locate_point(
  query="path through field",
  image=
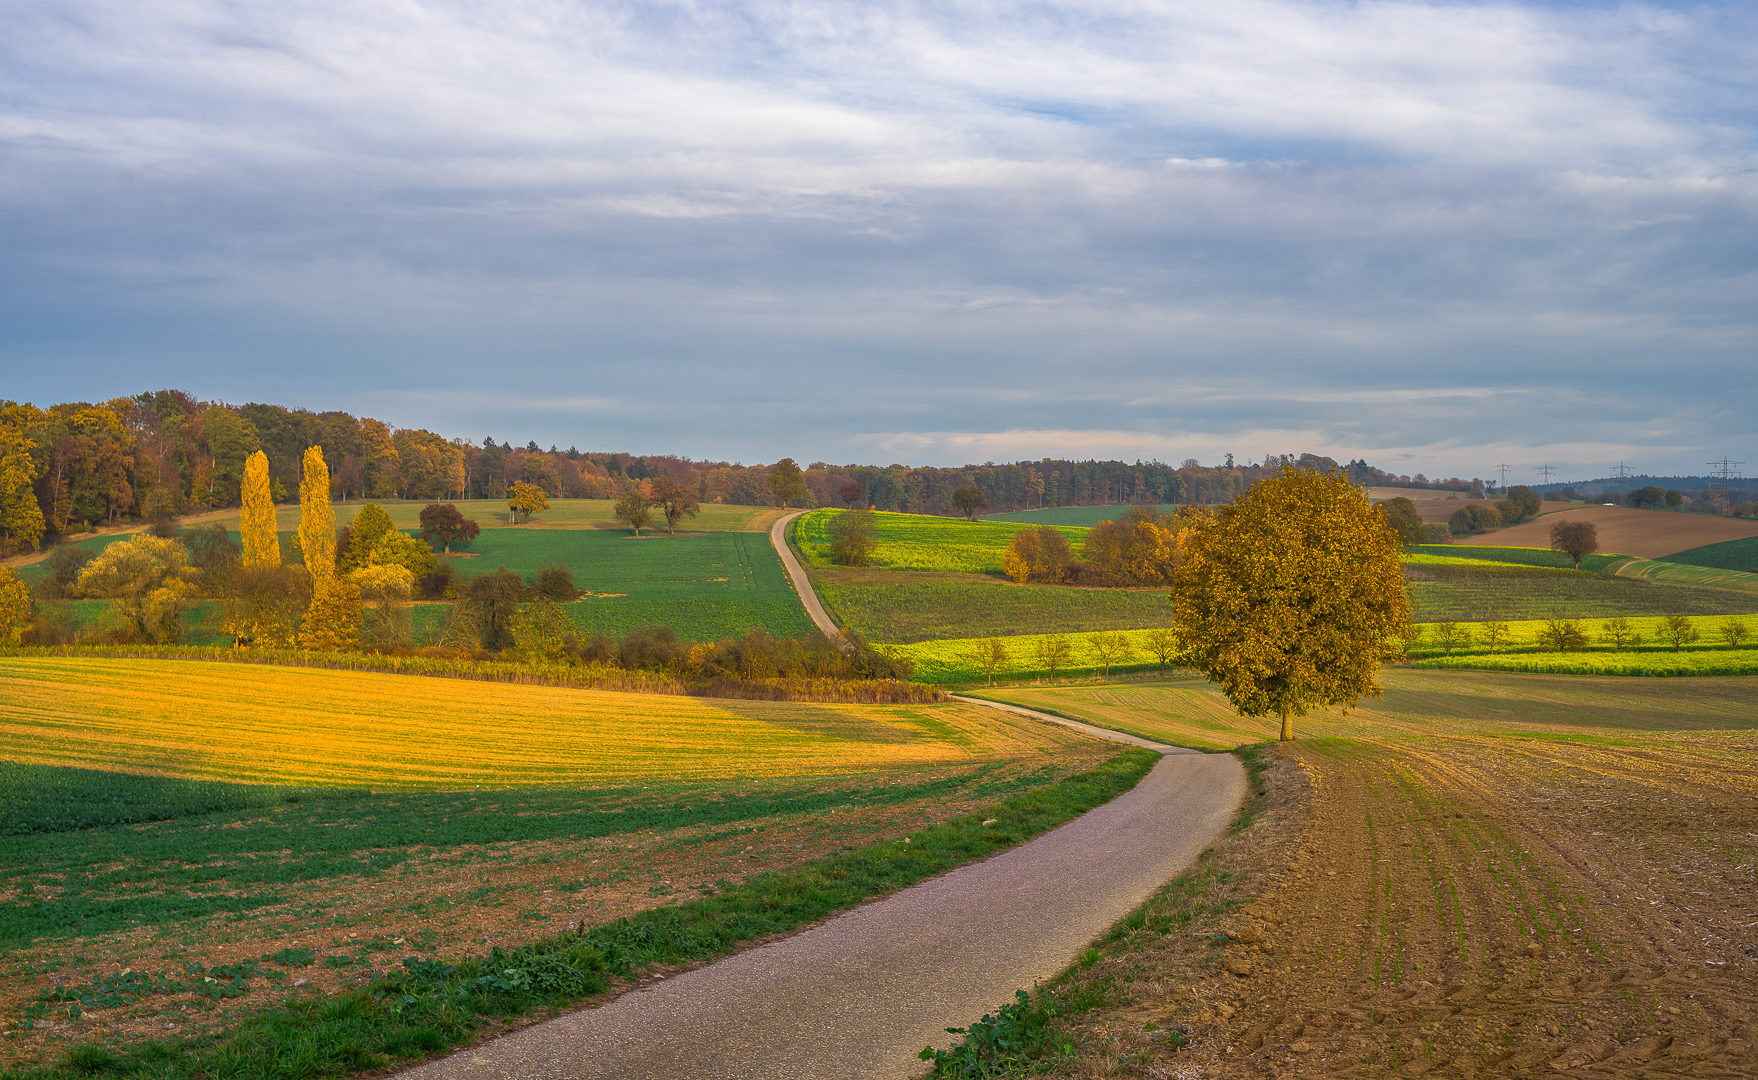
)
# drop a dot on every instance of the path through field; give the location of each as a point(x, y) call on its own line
point(859, 996)
point(797, 574)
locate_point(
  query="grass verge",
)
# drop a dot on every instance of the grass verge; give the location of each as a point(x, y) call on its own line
point(1081, 1022)
point(430, 1005)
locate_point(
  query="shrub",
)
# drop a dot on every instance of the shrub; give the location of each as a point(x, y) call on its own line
point(1038, 554)
point(1474, 518)
point(852, 538)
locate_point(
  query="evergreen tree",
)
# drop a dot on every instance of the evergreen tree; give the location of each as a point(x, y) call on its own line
point(256, 520)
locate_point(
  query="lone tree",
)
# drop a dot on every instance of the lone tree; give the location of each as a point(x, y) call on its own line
point(852, 494)
point(634, 510)
point(990, 654)
point(674, 501)
point(786, 481)
point(1576, 539)
point(853, 538)
point(526, 499)
point(444, 523)
point(968, 500)
point(1291, 596)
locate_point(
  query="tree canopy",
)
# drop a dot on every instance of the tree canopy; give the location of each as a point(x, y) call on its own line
point(446, 524)
point(786, 481)
point(968, 500)
point(635, 510)
point(526, 499)
point(675, 501)
point(1292, 596)
point(1576, 539)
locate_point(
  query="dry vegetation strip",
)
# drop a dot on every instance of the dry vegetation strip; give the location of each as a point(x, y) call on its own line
point(1510, 885)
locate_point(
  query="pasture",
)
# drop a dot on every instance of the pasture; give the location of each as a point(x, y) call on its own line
point(259, 824)
point(1479, 873)
point(1474, 591)
point(1727, 555)
point(919, 542)
point(910, 606)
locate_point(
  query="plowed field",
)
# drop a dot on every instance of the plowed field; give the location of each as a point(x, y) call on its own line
point(1628, 531)
point(1479, 876)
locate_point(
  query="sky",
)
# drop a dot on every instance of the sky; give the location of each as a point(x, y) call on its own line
point(1437, 236)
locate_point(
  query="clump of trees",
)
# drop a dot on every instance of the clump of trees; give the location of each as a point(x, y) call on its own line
point(1040, 553)
point(1141, 549)
point(853, 538)
point(1474, 518)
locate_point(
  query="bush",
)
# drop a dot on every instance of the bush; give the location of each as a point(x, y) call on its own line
point(852, 538)
point(1474, 518)
point(65, 564)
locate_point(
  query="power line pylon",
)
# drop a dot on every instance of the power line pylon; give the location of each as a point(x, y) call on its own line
point(1503, 470)
point(1726, 469)
point(1547, 471)
point(1622, 470)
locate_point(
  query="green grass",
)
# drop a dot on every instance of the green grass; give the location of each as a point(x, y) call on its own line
point(904, 606)
point(706, 586)
point(432, 1005)
point(918, 542)
point(1696, 662)
point(1472, 591)
point(55, 799)
point(1084, 517)
point(1728, 555)
point(1524, 556)
point(1687, 575)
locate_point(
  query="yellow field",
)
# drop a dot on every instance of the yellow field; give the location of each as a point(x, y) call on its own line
point(1189, 711)
point(302, 726)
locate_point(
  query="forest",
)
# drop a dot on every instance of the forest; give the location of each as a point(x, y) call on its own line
point(155, 456)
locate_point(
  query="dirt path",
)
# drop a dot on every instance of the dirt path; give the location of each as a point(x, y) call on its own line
point(860, 995)
point(797, 574)
point(1502, 906)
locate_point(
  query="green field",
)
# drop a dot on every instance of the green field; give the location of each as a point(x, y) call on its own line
point(906, 606)
point(1083, 517)
point(950, 661)
point(1729, 555)
point(918, 542)
point(1524, 556)
point(1473, 591)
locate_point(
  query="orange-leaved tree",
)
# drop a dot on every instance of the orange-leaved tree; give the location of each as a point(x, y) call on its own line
point(317, 521)
point(256, 518)
point(1292, 596)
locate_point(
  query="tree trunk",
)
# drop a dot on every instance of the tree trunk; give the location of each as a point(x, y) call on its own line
point(1287, 728)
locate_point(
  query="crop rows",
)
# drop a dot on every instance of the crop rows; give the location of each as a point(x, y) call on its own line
point(953, 661)
point(1462, 591)
point(926, 610)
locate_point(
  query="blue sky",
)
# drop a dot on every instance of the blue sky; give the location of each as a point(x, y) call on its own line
point(1437, 236)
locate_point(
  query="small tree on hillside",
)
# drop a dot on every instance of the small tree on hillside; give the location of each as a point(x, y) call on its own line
point(1562, 635)
point(1493, 633)
point(1040, 553)
point(1520, 504)
point(635, 511)
point(444, 523)
point(1292, 596)
point(853, 538)
point(1162, 643)
point(526, 499)
point(968, 500)
point(1111, 648)
point(1618, 633)
point(1733, 632)
point(990, 655)
point(786, 481)
point(1677, 631)
point(1051, 652)
point(148, 581)
point(1576, 539)
point(675, 502)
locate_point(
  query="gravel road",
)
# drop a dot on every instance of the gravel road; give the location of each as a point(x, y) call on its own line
point(797, 574)
point(858, 996)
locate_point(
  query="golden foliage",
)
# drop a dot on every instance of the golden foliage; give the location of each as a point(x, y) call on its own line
point(317, 520)
point(1141, 548)
point(1292, 596)
point(256, 518)
point(263, 606)
point(15, 607)
point(148, 581)
point(527, 499)
point(332, 622)
point(1037, 554)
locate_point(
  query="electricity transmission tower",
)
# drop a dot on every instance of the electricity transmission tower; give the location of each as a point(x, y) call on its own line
point(1503, 470)
point(1622, 470)
point(1726, 469)
point(1546, 471)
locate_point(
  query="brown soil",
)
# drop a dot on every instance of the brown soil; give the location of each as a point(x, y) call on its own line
point(1466, 906)
point(1628, 531)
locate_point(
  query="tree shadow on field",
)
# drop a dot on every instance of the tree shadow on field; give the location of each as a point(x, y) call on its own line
point(819, 720)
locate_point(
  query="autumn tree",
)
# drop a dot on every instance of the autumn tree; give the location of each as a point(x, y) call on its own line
point(1520, 504)
point(674, 500)
point(1474, 518)
point(1401, 515)
point(493, 601)
point(968, 500)
point(1039, 553)
point(1678, 631)
point(1112, 647)
point(21, 516)
point(541, 631)
point(256, 518)
point(634, 510)
point(1562, 635)
point(526, 499)
point(15, 608)
point(1162, 643)
point(1052, 651)
point(445, 524)
point(1733, 632)
point(1493, 633)
point(332, 622)
point(990, 654)
point(556, 581)
point(1576, 539)
point(853, 538)
point(786, 481)
point(852, 494)
point(1292, 596)
point(385, 610)
point(1141, 548)
point(263, 605)
point(317, 519)
point(148, 581)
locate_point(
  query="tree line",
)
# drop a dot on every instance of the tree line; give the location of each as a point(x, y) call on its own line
point(159, 455)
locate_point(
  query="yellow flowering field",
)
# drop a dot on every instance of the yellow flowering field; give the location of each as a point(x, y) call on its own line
point(363, 729)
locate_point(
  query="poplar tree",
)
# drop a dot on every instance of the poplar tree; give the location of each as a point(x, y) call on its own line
point(256, 520)
point(317, 521)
